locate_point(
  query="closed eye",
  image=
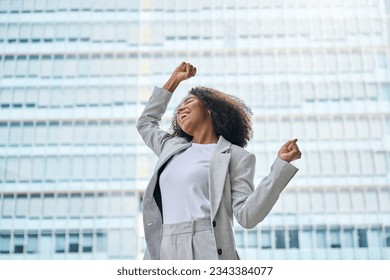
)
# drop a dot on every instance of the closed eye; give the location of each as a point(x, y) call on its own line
point(188, 101)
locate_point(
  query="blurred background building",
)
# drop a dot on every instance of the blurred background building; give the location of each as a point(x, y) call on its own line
point(75, 75)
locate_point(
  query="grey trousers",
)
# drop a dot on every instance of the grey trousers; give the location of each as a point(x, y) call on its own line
point(192, 240)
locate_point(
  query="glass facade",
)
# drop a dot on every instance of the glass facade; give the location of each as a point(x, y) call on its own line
point(75, 75)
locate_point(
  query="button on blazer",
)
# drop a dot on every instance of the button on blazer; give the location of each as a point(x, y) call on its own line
point(231, 188)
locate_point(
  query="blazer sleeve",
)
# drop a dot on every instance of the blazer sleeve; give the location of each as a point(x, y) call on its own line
point(250, 205)
point(148, 124)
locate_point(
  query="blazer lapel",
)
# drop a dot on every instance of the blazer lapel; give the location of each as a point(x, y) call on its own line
point(164, 157)
point(219, 165)
point(169, 152)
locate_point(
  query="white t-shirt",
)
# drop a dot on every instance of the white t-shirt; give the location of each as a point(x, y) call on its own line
point(184, 185)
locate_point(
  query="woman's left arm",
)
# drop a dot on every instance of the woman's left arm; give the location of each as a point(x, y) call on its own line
point(250, 205)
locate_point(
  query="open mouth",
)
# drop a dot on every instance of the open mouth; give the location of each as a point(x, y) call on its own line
point(183, 116)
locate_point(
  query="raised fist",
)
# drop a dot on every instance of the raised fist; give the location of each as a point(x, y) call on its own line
point(183, 72)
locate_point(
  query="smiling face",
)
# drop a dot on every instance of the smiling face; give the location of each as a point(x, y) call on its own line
point(192, 116)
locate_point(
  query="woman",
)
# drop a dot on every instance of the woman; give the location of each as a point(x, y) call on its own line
point(204, 176)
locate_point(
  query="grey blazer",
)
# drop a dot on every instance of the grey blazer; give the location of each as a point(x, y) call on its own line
point(232, 191)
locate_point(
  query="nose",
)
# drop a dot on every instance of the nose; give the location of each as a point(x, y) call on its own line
point(180, 109)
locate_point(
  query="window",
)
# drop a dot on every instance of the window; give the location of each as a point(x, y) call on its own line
point(60, 243)
point(13, 31)
point(315, 166)
point(102, 205)
point(331, 201)
point(49, 205)
point(130, 166)
point(372, 200)
point(35, 206)
point(128, 242)
point(103, 167)
point(115, 242)
point(368, 160)
point(348, 240)
point(290, 201)
point(8, 66)
point(384, 199)
point(53, 132)
point(75, 205)
point(87, 242)
point(362, 238)
point(15, 133)
point(306, 240)
point(62, 205)
point(334, 91)
point(311, 129)
point(89, 205)
point(5, 242)
point(105, 135)
point(351, 128)
point(52, 168)
point(73, 243)
point(32, 243)
point(3, 27)
point(130, 201)
point(45, 244)
point(49, 29)
point(327, 163)
point(345, 203)
point(266, 239)
point(33, 67)
point(2, 170)
point(77, 168)
point(252, 239)
point(344, 61)
point(21, 66)
point(335, 238)
point(364, 128)
point(101, 242)
point(293, 238)
point(354, 163)
point(3, 132)
point(304, 201)
point(40, 133)
point(65, 168)
point(380, 163)
point(46, 66)
point(58, 66)
point(18, 243)
point(337, 128)
point(115, 204)
point(117, 167)
point(28, 133)
point(317, 198)
point(358, 200)
point(332, 60)
point(8, 206)
point(21, 205)
point(91, 167)
point(376, 128)
point(340, 160)
point(387, 237)
point(280, 241)
point(321, 238)
point(239, 234)
point(374, 237)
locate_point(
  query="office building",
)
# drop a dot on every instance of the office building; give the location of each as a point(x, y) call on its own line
point(75, 75)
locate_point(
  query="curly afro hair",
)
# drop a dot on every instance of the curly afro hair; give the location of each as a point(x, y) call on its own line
point(231, 117)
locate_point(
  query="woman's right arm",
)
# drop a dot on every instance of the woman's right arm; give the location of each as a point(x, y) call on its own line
point(148, 124)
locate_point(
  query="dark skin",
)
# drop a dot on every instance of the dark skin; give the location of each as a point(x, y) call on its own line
point(194, 119)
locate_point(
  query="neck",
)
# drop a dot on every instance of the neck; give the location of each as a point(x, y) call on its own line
point(205, 138)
